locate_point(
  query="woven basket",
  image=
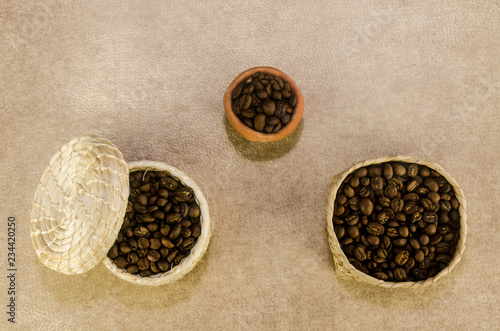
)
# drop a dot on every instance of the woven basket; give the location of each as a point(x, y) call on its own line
point(197, 252)
point(344, 269)
point(80, 204)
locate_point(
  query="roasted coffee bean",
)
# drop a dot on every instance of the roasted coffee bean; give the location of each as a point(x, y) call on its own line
point(176, 231)
point(183, 194)
point(402, 257)
point(353, 231)
point(430, 229)
point(380, 275)
point(377, 183)
point(375, 228)
point(399, 242)
point(366, 206)
point(142, 243)
point(167, 243)
point(133, 269)
point(424, 239)
point(400, 274)
point(121, 262)
point(143, 263)
point(373, 240)
point(359, 253)
point(388, 171)
point(391, 191)
point(125, 248)
point(132, 257)
point(403, 231)
point(153, 256)
point(412, 170)
point(397, 204)
point(163, 265)
point(113, 252)
point(188, 243)
point(141, 231)
point(152, 227)
point(349, 191)
point(399, 169)
point(154, 243)
point(384, 202)
point(411, 186)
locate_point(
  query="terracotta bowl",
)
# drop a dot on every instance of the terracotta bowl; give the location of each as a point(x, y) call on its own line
point(249, 133)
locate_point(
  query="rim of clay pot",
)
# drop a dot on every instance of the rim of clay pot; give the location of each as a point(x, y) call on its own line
point(251, 134)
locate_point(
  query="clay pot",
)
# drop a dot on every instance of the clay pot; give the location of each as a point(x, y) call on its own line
point(249, 133)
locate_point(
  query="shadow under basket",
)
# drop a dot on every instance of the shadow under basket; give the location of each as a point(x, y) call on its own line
point(345, 269)
point(80, 204)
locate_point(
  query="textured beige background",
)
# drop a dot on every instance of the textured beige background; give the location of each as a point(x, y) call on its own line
point(378, 78)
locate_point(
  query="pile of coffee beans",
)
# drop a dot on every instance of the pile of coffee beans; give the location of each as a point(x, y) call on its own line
point(161, 225)
point(397, 221)
point(264, 102)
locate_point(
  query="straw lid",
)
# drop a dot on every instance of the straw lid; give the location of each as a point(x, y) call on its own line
point(79, 205)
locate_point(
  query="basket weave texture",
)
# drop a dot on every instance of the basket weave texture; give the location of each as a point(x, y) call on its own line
point(199, 249)
point(343, 267)
point(79, 205)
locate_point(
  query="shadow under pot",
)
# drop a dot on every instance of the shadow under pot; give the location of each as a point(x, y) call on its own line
point(84, 209)
point(396, 221)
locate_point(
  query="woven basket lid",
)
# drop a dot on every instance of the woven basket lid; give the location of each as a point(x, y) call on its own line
point(79, 205)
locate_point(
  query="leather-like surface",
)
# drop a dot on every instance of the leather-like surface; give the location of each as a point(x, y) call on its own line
point(378, 78)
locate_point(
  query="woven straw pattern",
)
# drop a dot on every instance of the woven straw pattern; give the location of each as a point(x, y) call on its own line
point(79, 205)
point(344, 269)
point(197, 251)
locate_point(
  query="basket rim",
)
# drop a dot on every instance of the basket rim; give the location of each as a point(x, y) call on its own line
point(344, 268)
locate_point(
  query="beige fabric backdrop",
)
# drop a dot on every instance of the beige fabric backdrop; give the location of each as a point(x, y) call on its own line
point(378, 78)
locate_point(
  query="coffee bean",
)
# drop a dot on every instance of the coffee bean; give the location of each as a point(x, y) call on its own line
point(412, 170)
point(366, 206)
point(113, 252)
point(377, 183)
point(388, 171)
point(260, 122)
point(375, 228)
point(121, 262)
point(188, 243)
point(399, 242)
point(411, 186)
point(142, 243)
point(176, 231)
point(361, 172)
point(391, 191)
point(125, 249)
point(424, 239)
point(399, 169)
point(431, 184)
point(373, 240)
point(352, 231)
point(132, 257)
point(402, 257)
point(153, 256)
point(141, 231)
point(430, 229)
point(359, 253)
point(154, 243)
point(399, 274)
point(143, 263)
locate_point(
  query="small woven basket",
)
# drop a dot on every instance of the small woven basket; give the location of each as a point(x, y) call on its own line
point(197, 252)
point(343, 267)
point(80, 204)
